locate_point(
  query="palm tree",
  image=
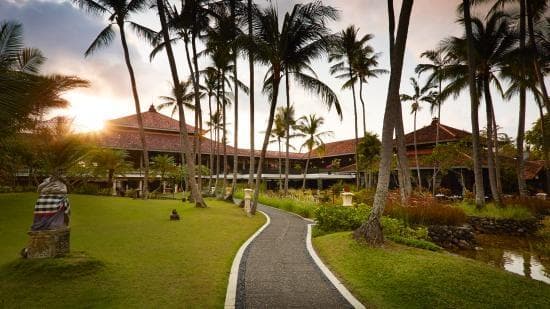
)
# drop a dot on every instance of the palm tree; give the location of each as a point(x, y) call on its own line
point(24, 94)
point(371, 230)
point(492, 42)
point(346, 48)
point(310, 129)
point(278, 133)
point(163, 165)
point(270, 45)
point(195, 193)
point(187, 98)
point(110, 162)
point(424, 94)
point(210, 87)
point(251, 96)
point(119, 16)
point(365, 67)
point(215, 124)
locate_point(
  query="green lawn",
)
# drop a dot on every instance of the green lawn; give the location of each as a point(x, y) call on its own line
point(401, 277)
point(125, 253)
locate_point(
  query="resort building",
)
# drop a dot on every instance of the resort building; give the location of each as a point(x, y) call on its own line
point(335, 163)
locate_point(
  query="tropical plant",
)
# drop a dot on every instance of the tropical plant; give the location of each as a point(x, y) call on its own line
point(420, 94)
point(110, 162)
point(195, 193)
point(270, 45)
point(163, 166)
point(369, 151)
point(310, 129)
point(119, 12)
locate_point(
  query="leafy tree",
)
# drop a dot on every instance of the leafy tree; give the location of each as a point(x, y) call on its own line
point(163, 166)
point(110, 162)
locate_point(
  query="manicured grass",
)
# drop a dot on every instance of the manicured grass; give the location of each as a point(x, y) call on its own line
point(401, 277)
point(492, 211)
point(126, 253)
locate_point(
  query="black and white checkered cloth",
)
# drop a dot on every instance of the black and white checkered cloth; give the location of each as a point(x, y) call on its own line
point(49, 204)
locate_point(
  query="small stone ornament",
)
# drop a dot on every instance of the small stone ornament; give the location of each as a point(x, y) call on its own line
point(174, 216)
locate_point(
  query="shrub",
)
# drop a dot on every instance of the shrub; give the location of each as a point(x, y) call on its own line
point(426, 212)
point(398, 227)
point(5, 189)
point(364, 196)
point(491, 211)
point(336, 219)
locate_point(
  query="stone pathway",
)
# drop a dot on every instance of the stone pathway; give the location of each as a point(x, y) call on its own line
point(276, 270)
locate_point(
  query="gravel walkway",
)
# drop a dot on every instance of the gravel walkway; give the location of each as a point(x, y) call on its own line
point(276, 270)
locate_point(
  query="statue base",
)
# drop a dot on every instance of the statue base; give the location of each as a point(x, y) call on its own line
point(48, 243)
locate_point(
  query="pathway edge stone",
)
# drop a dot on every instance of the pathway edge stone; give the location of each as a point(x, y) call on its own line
point(330, 276)
point(231, 294)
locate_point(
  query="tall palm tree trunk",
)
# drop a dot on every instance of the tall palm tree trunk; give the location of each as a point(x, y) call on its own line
point(138, 111)
point(276, 82)
point(536, 65)
point(199, 202)
point(416, 155)
point(280, 165)
point(357, 173)
point(251, 97)
point(491, 170)
point(545, 150)
point(236, 112)
point(218, 159)
point(287, 124)
point(435, 171)
point(198, 110)
point(522, 187)
point(474, 106)
point(211, 160)
point(363, 106)
point(403, 162)
point(305, 171)
point(497, 157)
point(224, 136)
point(371, 230)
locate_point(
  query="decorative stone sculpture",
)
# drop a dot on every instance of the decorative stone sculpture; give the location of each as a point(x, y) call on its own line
point(174, 216)
point(50, 233)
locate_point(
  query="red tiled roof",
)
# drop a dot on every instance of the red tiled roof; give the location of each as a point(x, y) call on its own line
point(152, 120)
point(170, 142)
point(428, 134)
point(339, 148)
point(532, 169)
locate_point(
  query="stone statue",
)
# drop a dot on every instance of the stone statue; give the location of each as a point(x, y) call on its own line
point(52, 209)
point(50, 232)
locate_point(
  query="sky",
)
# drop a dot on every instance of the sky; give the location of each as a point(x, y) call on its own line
point(63, 32)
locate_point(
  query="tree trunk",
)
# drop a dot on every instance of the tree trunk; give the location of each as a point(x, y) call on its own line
point(491, 171)
point(280, 165)
point(219, 106)
point(474, 106)
point(497, 158)
point(416, 155)
point(110, 176)
point(211, 161)
point(363, 106)
point(198, 111)
point(287, 124)
point(522, 106)
point(536, 65)
point(305, 172)
point(545, 150)
point(224, 136)
point(236, 112)
point(434, 177)
point(138, 111)
point(183, 128)
point(251, 97)
point(357, 173)
point(403, 162)
point(371, 230)
point(276, 82)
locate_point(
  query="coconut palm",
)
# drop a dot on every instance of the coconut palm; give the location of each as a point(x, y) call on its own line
point(251, 95)
point(371, 230)
point(195, 193)
point(278, 134)
point(346, 48)
point(493, 41)
point(187, 98)
point(309, 128)
point(270, 45)
point(119, 12)
point(421, 94)
point(215, 125)
point(438, 60)
point(163, 165)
